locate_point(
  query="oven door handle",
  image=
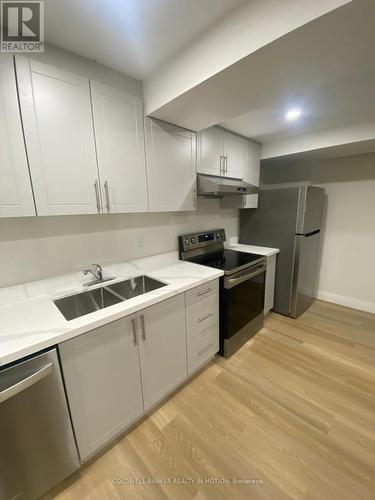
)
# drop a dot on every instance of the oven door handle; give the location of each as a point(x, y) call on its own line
point(231, 282)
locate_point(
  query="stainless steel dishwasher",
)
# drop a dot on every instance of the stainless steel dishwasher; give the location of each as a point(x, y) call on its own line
point(37, 446)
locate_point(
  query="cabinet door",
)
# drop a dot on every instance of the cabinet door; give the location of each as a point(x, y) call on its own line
point(171, 167)
point(162, 348)
point(235, 153)
point(102, 377)
point(56, 112)
point(16, 198)
point(252, 172)
point(210, 151)
point(118, 122)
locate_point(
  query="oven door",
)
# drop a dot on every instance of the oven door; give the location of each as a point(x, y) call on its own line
point(242, 299)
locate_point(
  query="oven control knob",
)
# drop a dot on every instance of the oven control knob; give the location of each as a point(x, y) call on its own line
point(186, 241)
point(193, 240)
point(218, 236)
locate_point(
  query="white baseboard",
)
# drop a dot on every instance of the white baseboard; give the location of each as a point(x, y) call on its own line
point(342, 300)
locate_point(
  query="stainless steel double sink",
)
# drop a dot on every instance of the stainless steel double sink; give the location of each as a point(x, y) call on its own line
point(80, 304)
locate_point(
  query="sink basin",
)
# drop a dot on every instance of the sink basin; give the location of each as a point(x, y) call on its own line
point(136, 286)
point(83, 303)
point(80, 304)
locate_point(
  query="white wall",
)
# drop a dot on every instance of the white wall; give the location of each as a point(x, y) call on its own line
point(321, 139)
point(347, 264)
point(41, 247)
point(347, 268)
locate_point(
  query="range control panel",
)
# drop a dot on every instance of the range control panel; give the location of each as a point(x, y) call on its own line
point(197, 240)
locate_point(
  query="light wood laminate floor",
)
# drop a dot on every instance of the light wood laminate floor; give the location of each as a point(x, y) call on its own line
point(294, 408)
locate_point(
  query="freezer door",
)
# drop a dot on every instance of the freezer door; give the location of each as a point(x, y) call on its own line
point(310, 209)
point(305, 272)
point(37, 448)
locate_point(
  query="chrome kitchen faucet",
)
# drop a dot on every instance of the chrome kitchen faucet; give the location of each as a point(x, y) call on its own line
point(97, 272)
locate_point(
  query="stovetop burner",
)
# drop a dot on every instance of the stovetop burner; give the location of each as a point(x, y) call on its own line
point(226, 260)
point(208, 249)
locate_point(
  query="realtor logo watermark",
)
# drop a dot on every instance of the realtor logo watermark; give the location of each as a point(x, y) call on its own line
point(22, 26)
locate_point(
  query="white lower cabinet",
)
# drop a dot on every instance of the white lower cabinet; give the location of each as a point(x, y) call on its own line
point(116, 373)
point(162, 348)
point(103, 383)
point(202, 326)
point(203, 348)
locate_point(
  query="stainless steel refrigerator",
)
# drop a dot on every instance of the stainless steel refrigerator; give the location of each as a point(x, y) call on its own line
point(288, 218)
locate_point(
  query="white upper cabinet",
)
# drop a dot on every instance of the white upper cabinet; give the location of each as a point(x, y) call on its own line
point(221, 153)
point(235, 149)
point(252, 164)
point(171, 167)
point(16, 198)
point(252, 172)
point(57, 118)
point(210, 151)
point(118, 123)
point(162, 348)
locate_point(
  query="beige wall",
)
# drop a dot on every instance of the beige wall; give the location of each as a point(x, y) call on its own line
point(347, 260)
point(40, 247)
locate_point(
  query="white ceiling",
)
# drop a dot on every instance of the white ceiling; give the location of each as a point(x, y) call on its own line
point(131, 36)
point(326, 68)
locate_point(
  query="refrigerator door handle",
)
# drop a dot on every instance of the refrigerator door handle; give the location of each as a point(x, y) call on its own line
point(306, 235)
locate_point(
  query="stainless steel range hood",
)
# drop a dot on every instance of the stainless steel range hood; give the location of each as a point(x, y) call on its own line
point(218, 187)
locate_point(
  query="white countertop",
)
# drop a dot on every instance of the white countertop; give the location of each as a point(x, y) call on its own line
point(30, 322)
point(234, 245)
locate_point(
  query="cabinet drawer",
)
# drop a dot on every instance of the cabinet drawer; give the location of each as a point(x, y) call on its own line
point(201, 292)
point(201, 316)
point(203, 348)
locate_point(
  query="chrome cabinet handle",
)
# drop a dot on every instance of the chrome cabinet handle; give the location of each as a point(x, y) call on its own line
point(221, 165)
point(106, 189)
point(199, 294)
point(143, 327)
point(97, 195)
point(205, 349)
point(135, 338)
point(208, 315)
point(225, 165)
point(15, 389)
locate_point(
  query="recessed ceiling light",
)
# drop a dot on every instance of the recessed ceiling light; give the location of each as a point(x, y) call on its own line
point(293, 114)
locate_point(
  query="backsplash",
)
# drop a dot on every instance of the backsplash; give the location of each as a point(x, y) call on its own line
point(41, 247)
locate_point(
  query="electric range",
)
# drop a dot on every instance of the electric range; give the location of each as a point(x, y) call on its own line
point(241, 288)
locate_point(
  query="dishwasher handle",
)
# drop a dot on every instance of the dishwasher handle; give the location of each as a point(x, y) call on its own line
point(27, 382)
